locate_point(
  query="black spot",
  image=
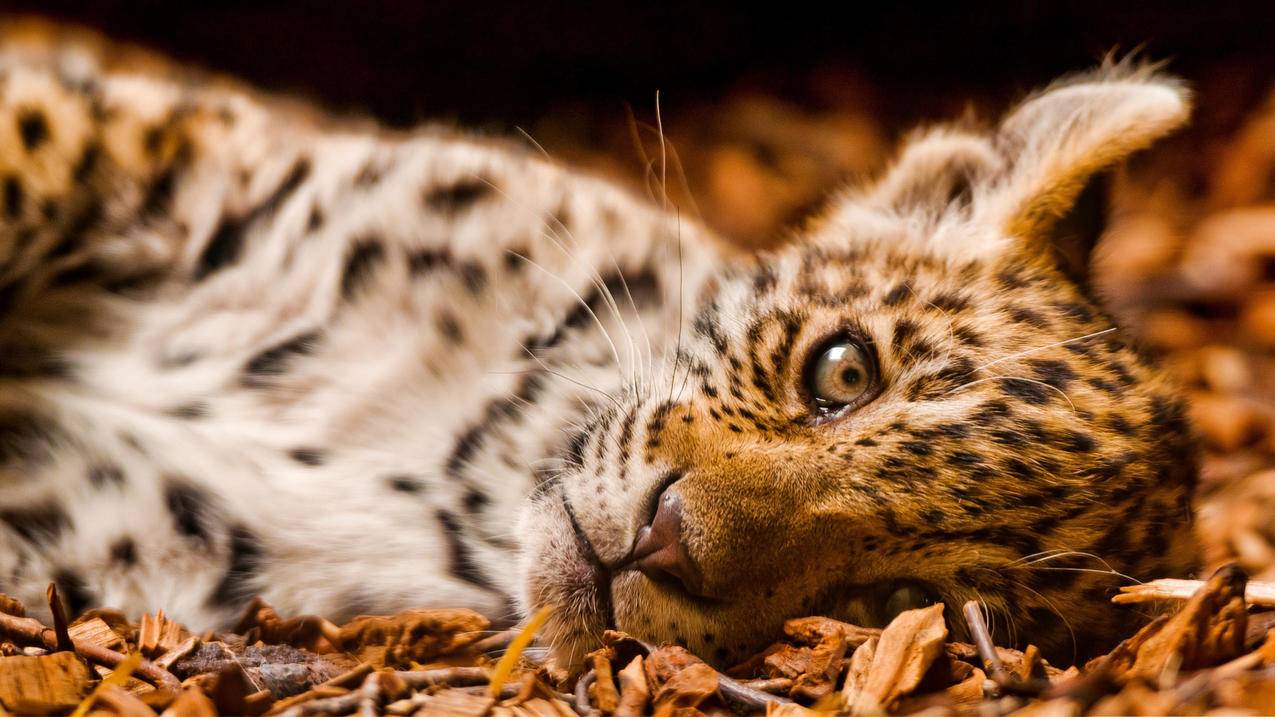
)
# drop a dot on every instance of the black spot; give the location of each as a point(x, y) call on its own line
point(87, 162)
point(103, 474)
point(950, 302)
point(1076, 311)
point(1120, 425)
point(32, 361)
point(459, 197)
point(1077, 442)
point(515, 258)
point(1029, 391)
point(360, 265)
point(226, 244)
point(474, 276)
point(124, 551)
point(237, 584)
point(38, 524)
point(74, 235)
point(23, 437)
point(13, 197)
point(964, 458)
point(369, 174)
point(449, 327)
point(190, 411)
point(1055, 373)
point(274, 361)
point(33, 128)
point(160, 193)
point(315, 222)
point(425, 261)
point(903, 330)
point(222, 249)
point(189, 507)
point(73, 591)
point(461, 558)
point(968, 336)
point(308, 456)
point(1027, 316)
point(897, 294)
point(405, 484)
point(917, 448)
point(475, 500)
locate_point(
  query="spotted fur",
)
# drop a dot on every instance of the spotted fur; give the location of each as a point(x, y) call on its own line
point(246, 351)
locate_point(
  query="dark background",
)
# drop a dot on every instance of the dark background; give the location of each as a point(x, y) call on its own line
point(505, 64)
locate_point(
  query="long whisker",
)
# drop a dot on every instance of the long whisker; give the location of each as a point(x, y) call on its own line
point(532, 140)
point(1055, 389)
point(595, 279)
point(1029, 352)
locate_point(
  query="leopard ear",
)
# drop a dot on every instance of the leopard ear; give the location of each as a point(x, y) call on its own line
point(937, 171)
point(1059, 144)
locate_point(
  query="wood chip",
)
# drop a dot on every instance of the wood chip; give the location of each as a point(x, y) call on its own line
point(43, 685)
point(157, 634)
point(454, 703)
point(95, 631)
point(191, 703)
point(1257, 593)
point(121, 702)
point(605, 695)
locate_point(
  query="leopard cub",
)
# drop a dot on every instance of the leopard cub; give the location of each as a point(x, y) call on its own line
point(247, 350)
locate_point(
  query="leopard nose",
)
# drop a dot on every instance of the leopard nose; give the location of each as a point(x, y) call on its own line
point(660, 553)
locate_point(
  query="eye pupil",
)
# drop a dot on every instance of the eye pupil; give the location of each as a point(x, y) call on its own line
point(840, 374)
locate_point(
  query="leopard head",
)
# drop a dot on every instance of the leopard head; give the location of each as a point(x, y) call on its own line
point(917, 399)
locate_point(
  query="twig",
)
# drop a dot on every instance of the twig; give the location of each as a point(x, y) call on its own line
point(1007, 681)
point(351, 678)
point(445, 676)
point(773, 685)
point(33, 630)
point(492, 643)
point(582, 705)
point(737, 694)
point(1257, 592)
point(61, 631)
point(342, 705)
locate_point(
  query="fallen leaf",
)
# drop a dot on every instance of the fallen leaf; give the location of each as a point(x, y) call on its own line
point(634, 692)
point(410, 636)
point(857, 675)
point(904, 652)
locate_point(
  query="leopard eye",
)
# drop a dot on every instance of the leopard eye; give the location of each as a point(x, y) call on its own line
point(841, 373)
point(907, 596)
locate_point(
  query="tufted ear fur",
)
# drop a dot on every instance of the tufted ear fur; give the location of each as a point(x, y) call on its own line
point(1058, 144)
point(937, 171)
point(1038, 177)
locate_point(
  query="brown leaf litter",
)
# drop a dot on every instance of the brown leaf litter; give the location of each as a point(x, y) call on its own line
point(1210, 650)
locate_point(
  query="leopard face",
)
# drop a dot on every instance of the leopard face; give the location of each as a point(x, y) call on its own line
point(915, 400)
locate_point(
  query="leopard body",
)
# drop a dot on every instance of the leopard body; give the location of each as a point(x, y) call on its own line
point(247, 350)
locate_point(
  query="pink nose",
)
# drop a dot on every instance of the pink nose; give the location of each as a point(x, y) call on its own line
point(659, 552)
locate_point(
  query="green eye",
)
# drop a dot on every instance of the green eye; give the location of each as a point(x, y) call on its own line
point(840, 374)
point(907, 596)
